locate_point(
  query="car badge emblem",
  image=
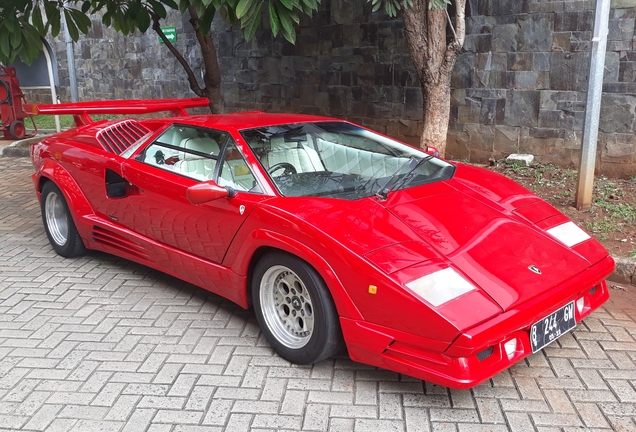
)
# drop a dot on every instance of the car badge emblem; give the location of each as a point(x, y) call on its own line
point(242, 210)
point(534, 269)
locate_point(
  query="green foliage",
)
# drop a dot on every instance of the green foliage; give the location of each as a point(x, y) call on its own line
point(126, 16)
point(393, 6)
point(282, 15)
point(23, 23)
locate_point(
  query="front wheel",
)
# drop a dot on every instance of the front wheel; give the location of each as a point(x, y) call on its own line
point(58, 223)
point(295, 310)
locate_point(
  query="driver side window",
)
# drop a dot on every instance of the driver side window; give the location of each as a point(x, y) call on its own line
point(186, 150)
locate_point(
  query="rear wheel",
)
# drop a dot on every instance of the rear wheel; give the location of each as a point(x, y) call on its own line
point(58, 223)
point(295, 310)
point(17, 130)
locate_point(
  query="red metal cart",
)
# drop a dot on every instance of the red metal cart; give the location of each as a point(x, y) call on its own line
point(13, 107)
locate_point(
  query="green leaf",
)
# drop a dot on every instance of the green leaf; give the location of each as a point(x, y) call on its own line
point(376, 7)
point(36, 16)
point(82, 21)
point(285, 21)
point(242, 8)
point(143, 20)
point(9, 23)
point(438, 4)
point(288, 4)
point(107, 19)
point(86, 6)
point(294, 16)
point(250, 31)
point(16, 39)
point(208, 16)
point(133, 9)
point(158, 9)
point(54, 20)
point(49, 8)
point(312, 4)
point(291, 37)
point(70, 25)
point(31, 36)
point(274, 22)
point(5, 46)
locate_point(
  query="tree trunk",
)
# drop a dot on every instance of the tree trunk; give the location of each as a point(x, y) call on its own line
point(436, 114)
point(212, 74)
point(433, 60)
point(216, 99)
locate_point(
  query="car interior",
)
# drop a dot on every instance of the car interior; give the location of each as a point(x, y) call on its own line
point(194, 152)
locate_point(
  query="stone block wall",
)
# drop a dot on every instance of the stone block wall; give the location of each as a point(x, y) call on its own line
point(110, 65)
point(519, 85)
point(346, 63)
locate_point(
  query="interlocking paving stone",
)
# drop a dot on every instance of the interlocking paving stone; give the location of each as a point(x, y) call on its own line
point(99, 343)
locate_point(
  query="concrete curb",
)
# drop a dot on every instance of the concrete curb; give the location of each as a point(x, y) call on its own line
point(20, 148)
point(625, 271)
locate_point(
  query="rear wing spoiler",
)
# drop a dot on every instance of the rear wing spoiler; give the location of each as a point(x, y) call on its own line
point(81, 111)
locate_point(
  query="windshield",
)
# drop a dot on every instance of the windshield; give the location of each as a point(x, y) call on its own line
point(340, 160)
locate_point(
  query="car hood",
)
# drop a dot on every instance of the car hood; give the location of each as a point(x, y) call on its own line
point(491, 246)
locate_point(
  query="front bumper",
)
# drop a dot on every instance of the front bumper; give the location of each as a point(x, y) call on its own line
point(478, 353)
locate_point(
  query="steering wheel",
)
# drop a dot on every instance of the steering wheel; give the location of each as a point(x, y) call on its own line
point(289, 169)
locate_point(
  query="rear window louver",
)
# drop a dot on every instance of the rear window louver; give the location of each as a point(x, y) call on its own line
point(118, 137)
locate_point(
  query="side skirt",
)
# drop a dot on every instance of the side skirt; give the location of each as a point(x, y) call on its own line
point(116, 240)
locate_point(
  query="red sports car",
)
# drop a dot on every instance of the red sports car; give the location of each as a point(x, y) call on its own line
point(336, 235)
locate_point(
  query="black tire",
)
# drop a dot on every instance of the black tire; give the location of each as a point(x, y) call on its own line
point(307, 293)
point(17, 130)
point(59, 225)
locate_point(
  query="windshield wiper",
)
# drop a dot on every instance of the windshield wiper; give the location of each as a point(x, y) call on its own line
point(395, 182)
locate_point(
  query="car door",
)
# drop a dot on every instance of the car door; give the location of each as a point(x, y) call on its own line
point(181, 157)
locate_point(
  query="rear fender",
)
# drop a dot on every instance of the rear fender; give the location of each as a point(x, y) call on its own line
point(263, 238)
point(78, 204)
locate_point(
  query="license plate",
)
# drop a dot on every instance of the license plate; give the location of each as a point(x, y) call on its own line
point(548, 329)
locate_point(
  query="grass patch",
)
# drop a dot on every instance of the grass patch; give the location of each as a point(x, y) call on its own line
point(602, 226)
point(48, 122)
point(622, 211)
point(66, 121)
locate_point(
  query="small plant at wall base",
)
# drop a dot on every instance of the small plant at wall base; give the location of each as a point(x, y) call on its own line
point(427, 23)
point(23, 22)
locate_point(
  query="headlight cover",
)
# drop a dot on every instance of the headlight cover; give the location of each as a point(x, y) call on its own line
point(440, 287)
point(568, 233)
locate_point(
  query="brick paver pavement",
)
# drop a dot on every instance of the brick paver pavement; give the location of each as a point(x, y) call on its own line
point(102, 344)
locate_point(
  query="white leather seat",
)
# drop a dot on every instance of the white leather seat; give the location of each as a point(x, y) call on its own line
point(350, 160)
point(301, 156)
point(197, 166)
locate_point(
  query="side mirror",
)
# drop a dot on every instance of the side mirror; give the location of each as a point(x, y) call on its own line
point(206, 192)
